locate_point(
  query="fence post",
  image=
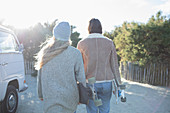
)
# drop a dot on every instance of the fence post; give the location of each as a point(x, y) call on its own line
point(136, 71)
point(29, 67)
point(144, 75)
point(132, 71)
point(153, 77)
point(126, 70)
point(158, 73)
point(164, 75)
point(167, 75)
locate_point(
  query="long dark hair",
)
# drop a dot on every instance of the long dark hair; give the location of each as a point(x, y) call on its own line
point(94, 26)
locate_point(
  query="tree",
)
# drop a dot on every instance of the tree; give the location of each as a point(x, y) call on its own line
point(74, 36)
point(34, 36)
point(143, 43)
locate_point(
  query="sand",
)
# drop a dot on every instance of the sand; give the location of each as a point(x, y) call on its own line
point(141, 98)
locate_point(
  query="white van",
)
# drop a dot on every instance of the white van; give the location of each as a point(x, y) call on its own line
point(12, 73)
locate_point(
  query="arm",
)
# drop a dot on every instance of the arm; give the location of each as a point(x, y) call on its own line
point(79, 70)
point(114, 64)
point(80, 48)
point(39, 85)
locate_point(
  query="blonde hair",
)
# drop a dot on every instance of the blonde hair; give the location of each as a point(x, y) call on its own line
point(51, 48)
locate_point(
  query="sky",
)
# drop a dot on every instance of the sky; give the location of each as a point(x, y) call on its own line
point(111, 13)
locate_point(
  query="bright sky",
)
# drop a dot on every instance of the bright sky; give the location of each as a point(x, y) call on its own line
point(111, 13)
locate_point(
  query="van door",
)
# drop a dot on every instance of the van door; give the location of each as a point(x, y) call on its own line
point(1, 90)
point(12, 62)
point(0, 68)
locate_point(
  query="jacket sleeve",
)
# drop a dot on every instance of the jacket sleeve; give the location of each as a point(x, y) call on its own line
point(114, 64)
point(79, 70)
point(39, 85)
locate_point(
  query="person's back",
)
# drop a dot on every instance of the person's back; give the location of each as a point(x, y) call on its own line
point(97, 56)
point(59, 65)
point(58, 77)
point(100, 61)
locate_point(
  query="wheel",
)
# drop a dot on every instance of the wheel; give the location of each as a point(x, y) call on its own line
point(98, 102)
point(10, 102)
point(123, 99)
point(92, 80)
point(1, 108)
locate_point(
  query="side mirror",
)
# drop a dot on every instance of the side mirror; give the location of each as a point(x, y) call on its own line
point(21, 47)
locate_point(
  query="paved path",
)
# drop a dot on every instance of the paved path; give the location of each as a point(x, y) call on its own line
point(141, 98)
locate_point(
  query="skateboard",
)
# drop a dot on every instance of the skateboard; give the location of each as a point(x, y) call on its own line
point(97, 102)
point(119, 91)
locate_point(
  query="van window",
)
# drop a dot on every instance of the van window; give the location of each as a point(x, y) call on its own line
point(7, 43)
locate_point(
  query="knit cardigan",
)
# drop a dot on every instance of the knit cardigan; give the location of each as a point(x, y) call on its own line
point(56, 82)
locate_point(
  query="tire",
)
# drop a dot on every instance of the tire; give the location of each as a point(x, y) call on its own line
point(10, 102)
point(1, 107)
point(123, 99)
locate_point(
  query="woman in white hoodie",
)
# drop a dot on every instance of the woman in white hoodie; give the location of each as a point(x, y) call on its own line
point(58, 64)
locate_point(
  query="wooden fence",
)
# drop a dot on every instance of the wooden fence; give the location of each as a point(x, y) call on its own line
point(29, 67)
point(155, 74)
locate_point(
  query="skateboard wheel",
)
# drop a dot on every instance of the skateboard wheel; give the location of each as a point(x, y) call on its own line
point(92, 80)
point(98, 102)
point(123, 99)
